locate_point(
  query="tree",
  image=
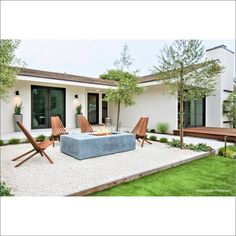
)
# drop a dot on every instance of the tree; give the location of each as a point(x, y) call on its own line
point(127, 83)
point(125, 92)
point(229, 108)
point(7, 60)
point(125, 60)
point(182, 69)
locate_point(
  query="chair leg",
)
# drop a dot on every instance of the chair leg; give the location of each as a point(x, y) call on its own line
point(49, 159)
point(26, 159)
point(142, 142)
point(22, 155)
point(148, 141)
point(53, 141)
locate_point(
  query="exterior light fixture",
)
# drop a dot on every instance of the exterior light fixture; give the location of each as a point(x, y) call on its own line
point(17, 93)
point(76, 96)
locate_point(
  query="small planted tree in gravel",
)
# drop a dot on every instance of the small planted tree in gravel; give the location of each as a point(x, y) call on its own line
point(125, 92)
point(182, 69)
point(127, 86)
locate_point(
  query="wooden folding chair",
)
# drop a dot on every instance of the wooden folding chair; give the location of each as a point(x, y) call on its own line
point(140, 130)
point(37, 147)
point(85, 127)
point(57, 128)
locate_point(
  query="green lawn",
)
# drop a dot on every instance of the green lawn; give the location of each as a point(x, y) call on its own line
point(211, 176)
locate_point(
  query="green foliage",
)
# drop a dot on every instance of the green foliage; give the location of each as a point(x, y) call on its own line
point(1, 142)
point(175, 143)
point(79, 109)
point(18, 109)
point(14, 141)
point(230, 151)
point(182, 62)
point(125, 60)
point(113, 74)
point(40, 138)
point(7, 60)
point(229, 108)
point(125, 92)
point(162, 127)
point(163, 140)
point(153, 138)
point(152, 131)
point(4, 190)
point(200, 147)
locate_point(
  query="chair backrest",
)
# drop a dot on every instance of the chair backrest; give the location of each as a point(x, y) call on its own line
point(57, 126)
point(141, 127)
point(29, 136)
point(84, 125)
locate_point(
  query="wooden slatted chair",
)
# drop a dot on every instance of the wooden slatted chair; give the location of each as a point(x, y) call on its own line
point(85, 127)
point(37, 147)
point(140, 130)
point(57, 128)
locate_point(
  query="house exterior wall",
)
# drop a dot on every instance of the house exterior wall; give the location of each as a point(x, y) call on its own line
point(24, 88)
point(154, 103)
point(214, 103)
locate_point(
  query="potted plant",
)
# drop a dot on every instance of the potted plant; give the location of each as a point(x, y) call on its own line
point(78, 114)
point(17, 116)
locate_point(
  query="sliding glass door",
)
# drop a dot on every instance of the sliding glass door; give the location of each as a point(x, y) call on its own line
point(194, 113)
point(46, 102)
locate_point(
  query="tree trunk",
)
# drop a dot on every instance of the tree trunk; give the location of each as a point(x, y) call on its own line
point(118, 117)
point(181, 101)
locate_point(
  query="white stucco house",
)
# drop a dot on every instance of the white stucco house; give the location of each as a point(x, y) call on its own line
point(46, 93)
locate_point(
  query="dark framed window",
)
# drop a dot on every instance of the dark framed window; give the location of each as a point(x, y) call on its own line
point(46, 102)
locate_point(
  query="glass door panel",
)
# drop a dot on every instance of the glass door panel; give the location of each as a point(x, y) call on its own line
point(39, 108)
point(93, 108)
point(104, 109)
point(194, 113)
point(56, 104)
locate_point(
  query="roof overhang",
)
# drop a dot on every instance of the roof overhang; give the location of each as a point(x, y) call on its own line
point(63, 82)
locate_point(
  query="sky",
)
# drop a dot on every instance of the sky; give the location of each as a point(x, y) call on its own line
point(94, 57)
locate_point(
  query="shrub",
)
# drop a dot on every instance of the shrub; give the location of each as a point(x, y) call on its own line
point(14, 141)
point(200, 147)
point(163, 140)
point(152, 130)
point(1, 142)
point(40, 138)
point(79, 109)
point(230, 151)
point(153, 138)
point(18, 109)
point(4, 190)
point(175, 143)
point(162, 127)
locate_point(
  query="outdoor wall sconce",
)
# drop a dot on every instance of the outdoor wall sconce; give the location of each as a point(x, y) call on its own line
point(17, 98)
point(76, 96)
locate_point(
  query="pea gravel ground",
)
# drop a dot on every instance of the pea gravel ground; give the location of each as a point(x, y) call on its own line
point(37, 177)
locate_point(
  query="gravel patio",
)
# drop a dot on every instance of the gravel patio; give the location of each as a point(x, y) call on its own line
point(67, 175)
